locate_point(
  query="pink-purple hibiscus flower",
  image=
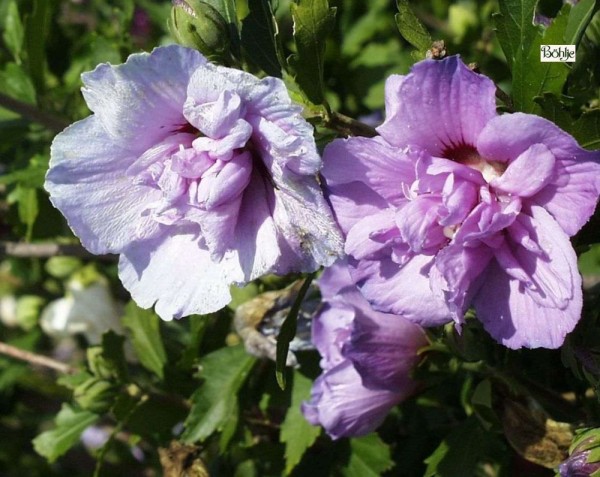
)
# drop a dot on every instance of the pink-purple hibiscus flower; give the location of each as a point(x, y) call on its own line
point(454, 206)
point(367, 359)
point(199, 176)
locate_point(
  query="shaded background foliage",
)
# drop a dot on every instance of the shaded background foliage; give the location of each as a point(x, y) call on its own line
point(482, 410)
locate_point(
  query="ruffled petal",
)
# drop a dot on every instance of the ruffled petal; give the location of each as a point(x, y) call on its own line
point(175, 274)
point(140, 102)
point(372, 161)
point(256, 248)
point(404, 290)
point(87, 182)
point(353, 202)
point(299, 155)
point(456, 276)
point(214, 119)
point(363, 239)
point(528, 173)
point(439, 105)
point(521, 316)
point(227, 183)
point(572, 194)
point(331, 328)
point(553, 271)
point(305, 225)
point(418, 224)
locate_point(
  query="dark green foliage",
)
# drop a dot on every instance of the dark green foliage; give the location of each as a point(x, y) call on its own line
point(149, 382)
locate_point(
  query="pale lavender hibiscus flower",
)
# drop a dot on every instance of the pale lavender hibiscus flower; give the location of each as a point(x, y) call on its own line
point(454, 206)
point(367, 359)
point(199, 176)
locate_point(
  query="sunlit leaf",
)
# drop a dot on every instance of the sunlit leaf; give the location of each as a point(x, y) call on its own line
point(224, 372)
point(147, 342)
point(70, 423)
point(296, 432)
point(313, 20)
point(412, 29)
point(13, 31)
point(369, 457)
point(259, 37)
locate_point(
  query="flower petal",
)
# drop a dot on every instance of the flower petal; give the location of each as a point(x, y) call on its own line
point(383, 349)
point(353, 202)
point(456, 275)
point(344, 407)
point(214, 119)
point(306, 225)
point(440, 104)
point(517, 316)
point(330, 330)
point(175, 274)
point(401, 290)
point(145, 94)
point(256, 247)
point(88, 184)
point(572, 193)
point(372, 161)
point(554, 271)
point(222, 186)
point(362, 239)
point(528, 173)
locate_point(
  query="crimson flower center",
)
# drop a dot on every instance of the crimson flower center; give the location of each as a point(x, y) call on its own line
point(469, 156)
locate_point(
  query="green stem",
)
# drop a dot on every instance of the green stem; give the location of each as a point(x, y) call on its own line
point(118, 428)
point(32, 113)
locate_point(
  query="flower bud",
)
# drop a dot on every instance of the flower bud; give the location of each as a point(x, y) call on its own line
point(199, 25)
point(584, 460)
point(95, 395)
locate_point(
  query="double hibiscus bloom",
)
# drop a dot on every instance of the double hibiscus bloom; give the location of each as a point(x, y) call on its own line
point(202, 177)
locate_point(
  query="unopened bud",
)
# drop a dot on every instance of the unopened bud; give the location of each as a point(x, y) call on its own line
point(95, 395)
point(199, 25)
point(584, 460)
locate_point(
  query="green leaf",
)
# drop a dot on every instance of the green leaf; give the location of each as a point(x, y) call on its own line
point(369, 457)
point(147, 342)
point(515, 29)
point(531, 77)
point(411, 28)
point(28, 310)
point(259, 37)
point(579, 18)
point(460, 452)
point(198, 325)
point(13, 31)
point(224, 372)
point(296, 432)
point(27, 202)
point(288, 331)
point(481, 400)
point(228, 11)
point(62, 267)
point(587, 130)
point(554, 110)
point(37, 24)
point(584, 79)
point(110, 362)
point(15, 82)
point(70, 423)
point(313, 20)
